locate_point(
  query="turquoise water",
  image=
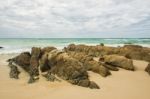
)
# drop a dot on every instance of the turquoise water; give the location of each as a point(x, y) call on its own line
point(24, 44)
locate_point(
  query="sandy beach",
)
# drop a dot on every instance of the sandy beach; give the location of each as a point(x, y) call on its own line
point(122, 84)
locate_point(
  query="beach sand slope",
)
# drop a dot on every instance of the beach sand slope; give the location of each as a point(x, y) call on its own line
point(122, 84)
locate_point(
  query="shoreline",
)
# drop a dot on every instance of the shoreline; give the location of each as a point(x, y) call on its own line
point(5, 50)
point(122, 84)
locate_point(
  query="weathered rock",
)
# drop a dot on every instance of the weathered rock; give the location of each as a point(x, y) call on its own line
point(110, 67)
point(67, 67)
point(47, 50)
point(93, 85)
point(119, 61)
point(14, 72)
point(89, 63)
point(32, 79)
point(100, 69)
point(44, 63)
point(23, 60)
point(130, 51)
point(50, 77)
point(147, 69)
point(87, 83)
point(84, 83)
point(34, 61)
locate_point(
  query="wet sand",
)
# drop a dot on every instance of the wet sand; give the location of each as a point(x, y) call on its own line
point(122, 84)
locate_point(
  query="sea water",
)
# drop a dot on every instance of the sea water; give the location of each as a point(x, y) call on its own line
point(15, 45)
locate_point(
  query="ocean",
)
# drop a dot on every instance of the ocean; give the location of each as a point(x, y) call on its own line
point(15, 45)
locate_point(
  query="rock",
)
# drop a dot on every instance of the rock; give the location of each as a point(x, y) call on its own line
point(100, 69)
point(67, 68)
point(135, 52)
point(109, 66)
point(130, 51)
point(1, 47)
point(34, 61)
point(32, 80)
point(87, 83)
point(44, 63)
point(89, 63)
point(23, 60)
point(147, 69)
point(84, 83)
point(14, 72)
point(47, 50)
point(36, 52)
point(50, 77)
point(93, 85)
point(119, 61)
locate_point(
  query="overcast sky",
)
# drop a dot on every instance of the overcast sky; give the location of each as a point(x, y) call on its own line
point(74, 18)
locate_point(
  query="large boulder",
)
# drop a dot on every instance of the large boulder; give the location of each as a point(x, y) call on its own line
point(67, 68)
point(97, 68)
point(23, 60)
point(147, 69)
point(119, 61)
point(135, 52)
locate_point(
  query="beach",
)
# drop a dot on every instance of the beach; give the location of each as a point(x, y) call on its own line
point(122, 84)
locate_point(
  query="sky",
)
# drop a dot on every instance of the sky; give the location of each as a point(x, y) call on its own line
point(74, 18)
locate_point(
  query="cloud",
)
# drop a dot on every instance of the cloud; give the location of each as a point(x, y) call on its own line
point(68, 18)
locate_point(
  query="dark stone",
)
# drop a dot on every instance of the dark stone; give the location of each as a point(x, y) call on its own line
point(14, 72)
point(23, 60)
point(93, 85)
point(34, 61)
point(50, 77)
point(44, 63)
point(84, 83)
point(32, 79)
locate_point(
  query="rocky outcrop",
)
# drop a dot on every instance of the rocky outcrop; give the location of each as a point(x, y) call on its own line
point(73, 62)
point(54, 62)
point(129, 51)
point(67, 68)
point(147, 69)
point(119, 61)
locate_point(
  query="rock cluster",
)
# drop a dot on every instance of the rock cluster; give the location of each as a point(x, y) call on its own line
point(73, 62)
point(130, 51)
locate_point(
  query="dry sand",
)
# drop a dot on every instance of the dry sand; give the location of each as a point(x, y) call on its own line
point(122, 84)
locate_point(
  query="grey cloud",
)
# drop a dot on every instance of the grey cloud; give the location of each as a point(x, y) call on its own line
point(67, 17)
